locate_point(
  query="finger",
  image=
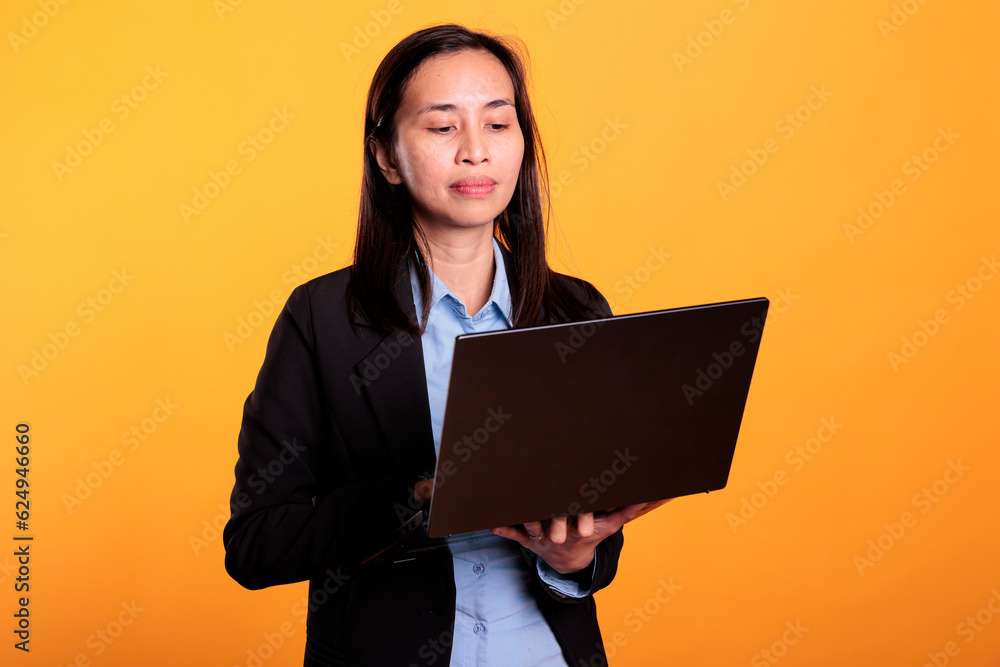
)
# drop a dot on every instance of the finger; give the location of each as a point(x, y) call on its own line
point(630, 512)
point(649, 507)
point(508, 532)
point(585, 524)
point(615, 520)
point(535, 530)
point(517, 535)
point(557, 530)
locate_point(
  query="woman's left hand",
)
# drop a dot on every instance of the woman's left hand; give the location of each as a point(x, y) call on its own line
point(565, 547)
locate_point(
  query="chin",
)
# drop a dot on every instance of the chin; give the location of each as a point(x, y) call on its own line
point(477, 218)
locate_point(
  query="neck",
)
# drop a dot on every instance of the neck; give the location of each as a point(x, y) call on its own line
point(463, 260)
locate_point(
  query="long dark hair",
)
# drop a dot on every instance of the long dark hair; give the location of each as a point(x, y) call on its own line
point(386, 231)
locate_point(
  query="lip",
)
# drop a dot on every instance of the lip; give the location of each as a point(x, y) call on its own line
point(474, 185)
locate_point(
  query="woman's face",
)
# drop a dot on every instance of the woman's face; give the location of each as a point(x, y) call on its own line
point(458, 145)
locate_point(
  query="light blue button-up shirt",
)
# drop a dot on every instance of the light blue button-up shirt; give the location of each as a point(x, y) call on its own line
point(497, 621)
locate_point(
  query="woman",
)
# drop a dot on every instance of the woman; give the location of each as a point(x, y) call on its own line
point(345, 418)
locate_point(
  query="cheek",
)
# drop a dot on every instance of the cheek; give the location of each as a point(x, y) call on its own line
point(421, 167)
point(515, 143)
point(515, 155)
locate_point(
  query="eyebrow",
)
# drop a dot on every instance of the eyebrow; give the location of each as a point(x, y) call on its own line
point(451, 107)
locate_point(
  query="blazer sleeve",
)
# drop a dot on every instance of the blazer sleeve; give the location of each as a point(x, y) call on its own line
point(295, 509)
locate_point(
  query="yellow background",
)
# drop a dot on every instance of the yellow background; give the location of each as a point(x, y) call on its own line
point(669, 99)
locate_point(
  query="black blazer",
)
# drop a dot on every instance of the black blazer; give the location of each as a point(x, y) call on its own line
point(334, 436)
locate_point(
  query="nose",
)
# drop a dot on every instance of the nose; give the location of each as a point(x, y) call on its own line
point(473, 148)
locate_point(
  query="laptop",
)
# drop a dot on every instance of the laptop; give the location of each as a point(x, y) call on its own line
point(563, 419)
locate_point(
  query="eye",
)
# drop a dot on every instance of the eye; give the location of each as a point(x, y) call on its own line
point(498, 126)
point(441, 130)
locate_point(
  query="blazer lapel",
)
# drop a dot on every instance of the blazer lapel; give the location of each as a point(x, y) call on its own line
point(398, 391)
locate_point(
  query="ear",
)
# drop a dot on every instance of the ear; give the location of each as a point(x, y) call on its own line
point(385, 162)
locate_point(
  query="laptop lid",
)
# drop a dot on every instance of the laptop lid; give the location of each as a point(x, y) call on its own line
point(571, 418)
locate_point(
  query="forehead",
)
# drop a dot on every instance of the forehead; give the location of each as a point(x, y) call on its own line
point(466, 78)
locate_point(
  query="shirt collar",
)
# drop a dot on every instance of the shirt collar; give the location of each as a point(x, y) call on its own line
point(499, 297)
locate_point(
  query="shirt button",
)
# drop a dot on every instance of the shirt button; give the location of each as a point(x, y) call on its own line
point(479, 628)
point(478, 568)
